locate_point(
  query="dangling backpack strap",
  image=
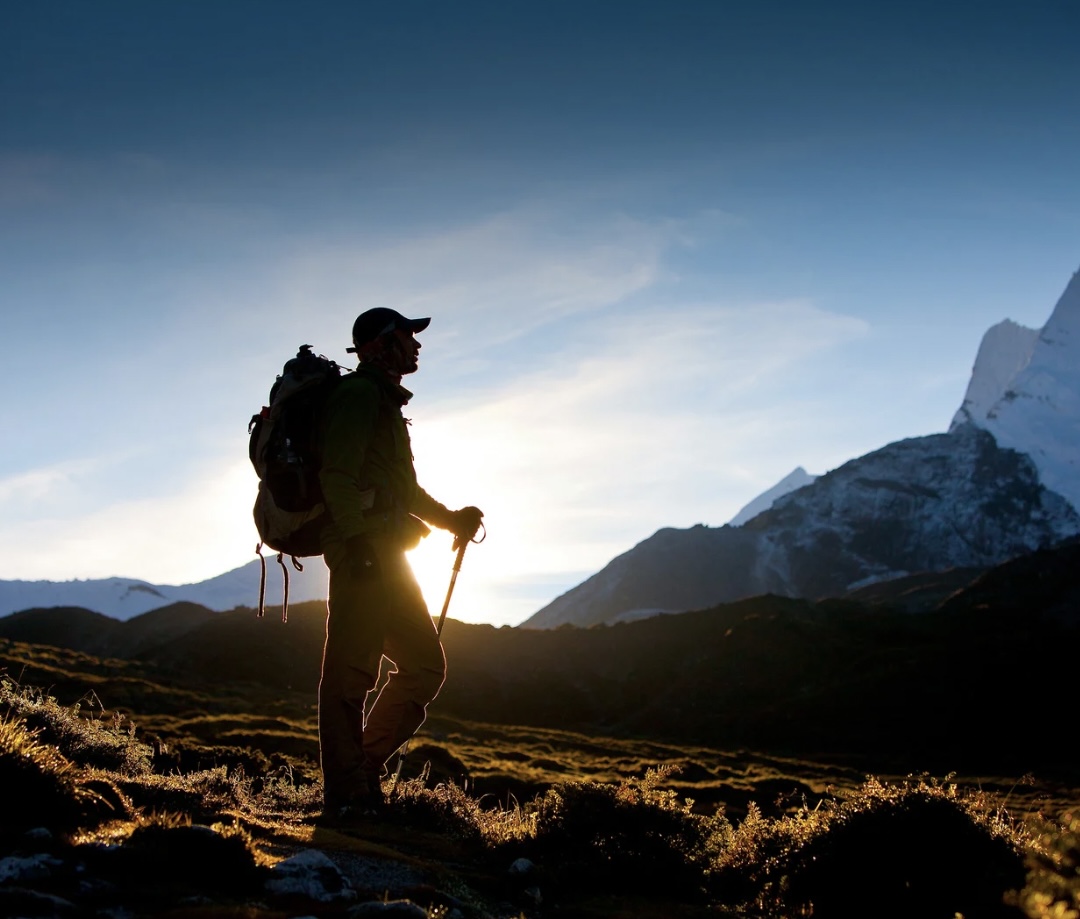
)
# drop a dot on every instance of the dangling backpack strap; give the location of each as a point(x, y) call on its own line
point(262, 581)
point(298, 567)
point(285, 577)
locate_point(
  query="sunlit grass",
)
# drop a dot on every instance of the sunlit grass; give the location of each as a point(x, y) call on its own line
point(604, 818)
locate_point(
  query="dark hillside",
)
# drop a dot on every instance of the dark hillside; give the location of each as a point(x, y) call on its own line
point(1047, 582)
point(772, 673)
point(916, 593)
point(155, 628)
point(964, 686)
point(237, 646)
point(93, 633)
point(60, 627)
point(98, 822)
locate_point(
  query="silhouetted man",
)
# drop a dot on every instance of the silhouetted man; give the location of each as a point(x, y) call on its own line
point(376, 510)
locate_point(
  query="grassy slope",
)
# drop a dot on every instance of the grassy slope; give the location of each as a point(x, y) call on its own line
point(834, 691)
point(602, 848)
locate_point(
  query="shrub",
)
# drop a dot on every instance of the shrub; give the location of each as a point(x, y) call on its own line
point(918, 848)
point(633, 834)
point(167, 856)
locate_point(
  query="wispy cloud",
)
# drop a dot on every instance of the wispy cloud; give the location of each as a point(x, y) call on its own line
point(177, 535)
point(635, 427)
point(487, 283)
point(36, 485)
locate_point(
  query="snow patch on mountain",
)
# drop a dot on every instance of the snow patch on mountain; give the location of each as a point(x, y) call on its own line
point(795, 479)
point(1025, 390)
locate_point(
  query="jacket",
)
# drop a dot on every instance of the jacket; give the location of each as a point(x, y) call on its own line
point(366, 472)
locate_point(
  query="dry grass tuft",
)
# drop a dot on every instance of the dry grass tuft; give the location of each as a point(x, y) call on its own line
point(1053, 883)
point(448, 808)
point(84, 732)
point(38, 782)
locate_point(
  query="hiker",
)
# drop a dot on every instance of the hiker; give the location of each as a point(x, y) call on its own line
point(376, 511)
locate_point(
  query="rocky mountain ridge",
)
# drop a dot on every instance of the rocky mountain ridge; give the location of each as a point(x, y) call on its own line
point(923, 504)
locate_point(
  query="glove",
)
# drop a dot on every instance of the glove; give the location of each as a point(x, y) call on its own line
point(362, 561)
point(464, 524)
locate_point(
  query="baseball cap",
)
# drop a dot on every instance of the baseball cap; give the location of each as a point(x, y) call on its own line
point(371, 324)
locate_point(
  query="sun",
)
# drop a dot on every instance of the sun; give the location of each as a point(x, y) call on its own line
point(432, 562)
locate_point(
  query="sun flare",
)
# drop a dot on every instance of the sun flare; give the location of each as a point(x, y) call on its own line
point(432, 562)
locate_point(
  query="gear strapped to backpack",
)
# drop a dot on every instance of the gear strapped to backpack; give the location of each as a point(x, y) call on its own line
point(289, 506)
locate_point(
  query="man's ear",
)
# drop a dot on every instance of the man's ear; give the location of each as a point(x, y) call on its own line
point(368, 348)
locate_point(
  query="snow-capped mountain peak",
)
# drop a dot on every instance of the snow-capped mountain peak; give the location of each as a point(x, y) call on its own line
point(1025, 390)
point(1005, 350)
point(1059, 341)
point(795, 479)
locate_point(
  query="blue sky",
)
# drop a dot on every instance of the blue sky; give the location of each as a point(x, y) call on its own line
point(671, 251)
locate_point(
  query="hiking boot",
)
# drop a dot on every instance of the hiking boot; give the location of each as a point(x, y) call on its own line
point(360, 807)
point(354, 814)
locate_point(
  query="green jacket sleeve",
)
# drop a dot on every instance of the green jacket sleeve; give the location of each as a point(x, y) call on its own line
point(348, 425)
point(427, 508)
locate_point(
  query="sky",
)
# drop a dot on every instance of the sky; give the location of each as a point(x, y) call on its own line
point(671, 251)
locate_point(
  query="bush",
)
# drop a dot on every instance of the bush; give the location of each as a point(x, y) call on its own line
point(633, 835)
point(166, 856)
point(916, 849)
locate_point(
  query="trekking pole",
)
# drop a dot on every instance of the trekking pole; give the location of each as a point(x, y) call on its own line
point(462, 545)
point(450, 589)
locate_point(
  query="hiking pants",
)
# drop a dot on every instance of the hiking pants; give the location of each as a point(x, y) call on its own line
point(369, 618)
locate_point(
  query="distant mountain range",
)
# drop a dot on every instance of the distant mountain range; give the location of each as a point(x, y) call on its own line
point(1004, 480)
point(123, 598)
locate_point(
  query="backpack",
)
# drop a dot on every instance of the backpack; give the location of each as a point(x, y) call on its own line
point(282, 447)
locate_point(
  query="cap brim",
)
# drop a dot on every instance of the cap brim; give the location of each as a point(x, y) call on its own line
point(418, 325)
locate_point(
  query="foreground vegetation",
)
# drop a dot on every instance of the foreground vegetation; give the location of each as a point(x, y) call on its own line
point(130, 824)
